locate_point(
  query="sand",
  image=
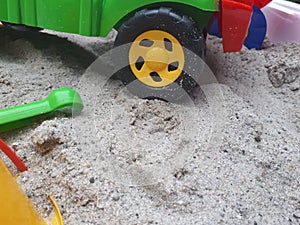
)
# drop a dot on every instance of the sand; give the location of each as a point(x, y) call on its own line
point(229, 156)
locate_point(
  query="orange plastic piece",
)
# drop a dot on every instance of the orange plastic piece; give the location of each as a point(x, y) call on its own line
point(234, 20)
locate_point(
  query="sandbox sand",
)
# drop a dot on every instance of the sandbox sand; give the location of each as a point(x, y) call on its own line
point(232, 159)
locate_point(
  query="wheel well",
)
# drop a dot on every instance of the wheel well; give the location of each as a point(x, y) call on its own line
point(201, 17)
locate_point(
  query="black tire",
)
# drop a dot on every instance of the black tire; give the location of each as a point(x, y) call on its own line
point(187, 32)
point(20, 27)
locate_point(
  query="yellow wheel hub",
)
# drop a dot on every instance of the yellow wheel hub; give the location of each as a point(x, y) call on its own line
point(156, 58)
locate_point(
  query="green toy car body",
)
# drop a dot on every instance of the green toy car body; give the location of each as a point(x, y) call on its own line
point(88, 17)
point(159, 33)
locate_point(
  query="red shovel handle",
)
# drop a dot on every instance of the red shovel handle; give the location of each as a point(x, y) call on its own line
point(12, 156)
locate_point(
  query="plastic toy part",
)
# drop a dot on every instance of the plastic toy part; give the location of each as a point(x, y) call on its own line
point(157, 58)
point(12, 156)
point(213, 28)
point(157, 53)
point(16, 208)
point(256, 31)
point(234, 20)
point(64, 99)
point(85, 17)
point(283, 19)
point(56, 219)
point(261, 3)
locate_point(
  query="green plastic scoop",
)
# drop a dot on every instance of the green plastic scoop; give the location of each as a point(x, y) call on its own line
point(63, 99)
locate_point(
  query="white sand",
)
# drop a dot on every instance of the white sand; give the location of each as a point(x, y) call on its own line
point(240, 151)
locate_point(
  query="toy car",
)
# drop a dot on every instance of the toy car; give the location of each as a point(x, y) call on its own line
point(159, 32)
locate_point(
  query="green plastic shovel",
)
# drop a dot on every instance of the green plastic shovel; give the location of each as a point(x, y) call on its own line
point(63, 99)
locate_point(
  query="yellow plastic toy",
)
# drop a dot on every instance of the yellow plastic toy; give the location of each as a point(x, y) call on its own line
point(16, 208)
